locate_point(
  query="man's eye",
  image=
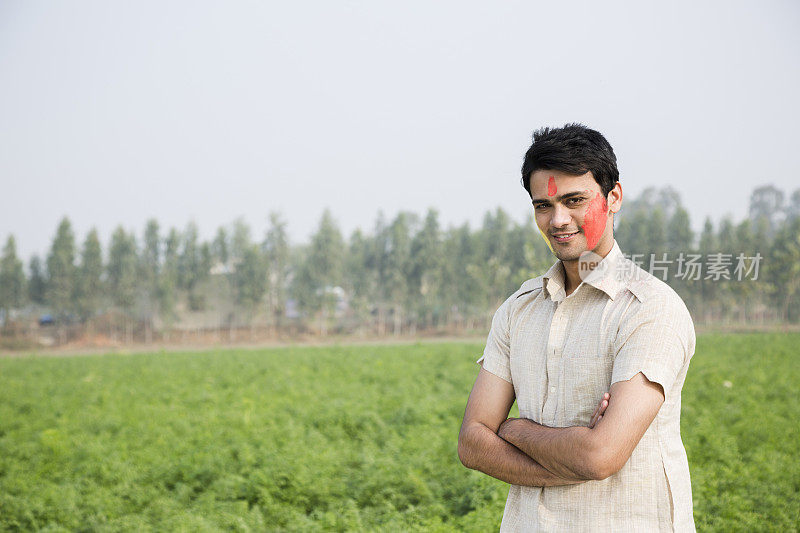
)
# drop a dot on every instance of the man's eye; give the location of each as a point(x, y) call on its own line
point(573, 201)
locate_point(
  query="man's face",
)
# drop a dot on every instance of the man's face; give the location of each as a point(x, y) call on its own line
point(572, 213)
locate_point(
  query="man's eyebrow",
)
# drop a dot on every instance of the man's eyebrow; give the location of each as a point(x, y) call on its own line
point(559, 198)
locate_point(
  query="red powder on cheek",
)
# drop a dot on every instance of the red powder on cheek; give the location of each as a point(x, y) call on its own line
point(551, 186)
point(595, 220)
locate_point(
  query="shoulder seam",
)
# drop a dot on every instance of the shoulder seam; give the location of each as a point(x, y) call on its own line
point(640, 288)
point(529, 286)
point(524, 293)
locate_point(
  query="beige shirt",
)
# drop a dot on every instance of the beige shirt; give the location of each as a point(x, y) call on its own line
point(561, 353)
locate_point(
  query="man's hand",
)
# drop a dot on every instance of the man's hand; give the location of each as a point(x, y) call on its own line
point(512, 427)
point(597, 416)
point(505, 428)
point(601, 408)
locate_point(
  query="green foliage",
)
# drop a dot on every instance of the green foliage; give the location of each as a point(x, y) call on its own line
point(150, 273)
point(739, 426)
point(680, 236)
point(193, 266)
point(219, 247)
point(12, 277)
point(240, 240)
point(89, 288)
point(399, 265)
point(151, 252)
point(341, 439)
point(122, 269)
point(277, 254)
point(168, 280)
point(291, 439)
point(489, 270)
point(61, 270)
point(37, 282)
point(425, 277)
point(250, 278)
point(767, 203)
point(784, 268)
point(409, 273)
point(321, 268)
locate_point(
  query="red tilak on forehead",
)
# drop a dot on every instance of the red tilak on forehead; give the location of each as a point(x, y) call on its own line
point(551, 186)
point(595, 220)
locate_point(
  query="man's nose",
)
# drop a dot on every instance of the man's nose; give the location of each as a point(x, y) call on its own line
point(561, 217)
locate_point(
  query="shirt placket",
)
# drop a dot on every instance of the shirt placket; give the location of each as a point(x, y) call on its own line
point(555, 343)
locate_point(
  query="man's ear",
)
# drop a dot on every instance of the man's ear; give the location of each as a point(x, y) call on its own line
point(614, 198)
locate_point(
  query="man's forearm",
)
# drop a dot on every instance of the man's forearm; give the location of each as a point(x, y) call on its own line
point(481, 449)
point(566, 452)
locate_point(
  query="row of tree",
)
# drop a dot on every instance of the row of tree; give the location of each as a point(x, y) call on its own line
point(407, 273)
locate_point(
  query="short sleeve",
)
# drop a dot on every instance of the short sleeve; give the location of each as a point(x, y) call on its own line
point(650, 343)
point(498, 345)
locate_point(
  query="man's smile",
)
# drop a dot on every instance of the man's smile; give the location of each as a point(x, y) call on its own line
point(564, 237)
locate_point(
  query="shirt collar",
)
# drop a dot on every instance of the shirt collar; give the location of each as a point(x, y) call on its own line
point(606, 276)
point(553, 282)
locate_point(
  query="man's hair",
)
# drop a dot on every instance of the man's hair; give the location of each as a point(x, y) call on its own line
point(573, 149)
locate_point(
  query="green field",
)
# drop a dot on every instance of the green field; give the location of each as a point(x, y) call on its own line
point(343, 438)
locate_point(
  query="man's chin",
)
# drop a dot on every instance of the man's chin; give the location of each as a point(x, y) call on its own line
point(569, 255)
point(569, 252)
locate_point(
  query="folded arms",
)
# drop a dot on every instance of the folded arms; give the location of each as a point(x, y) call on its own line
point(521, 452)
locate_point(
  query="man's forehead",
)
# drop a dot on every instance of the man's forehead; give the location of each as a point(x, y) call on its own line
point(566, 192)
point(541, 177)
point(547, 184)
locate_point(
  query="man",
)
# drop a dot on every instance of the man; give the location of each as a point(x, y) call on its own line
point(595, 358)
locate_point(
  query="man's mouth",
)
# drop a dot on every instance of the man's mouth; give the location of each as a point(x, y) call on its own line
point(564, 237)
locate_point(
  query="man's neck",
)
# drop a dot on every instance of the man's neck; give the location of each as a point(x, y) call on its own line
point(572, 277)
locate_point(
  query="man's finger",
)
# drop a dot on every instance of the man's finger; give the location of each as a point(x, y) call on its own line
point(594, 417)
point(597, 413)
point(603, 404)
point(596, 410)
point(599, 410)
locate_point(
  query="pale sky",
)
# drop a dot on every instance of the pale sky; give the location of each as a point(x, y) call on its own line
point(115, 112)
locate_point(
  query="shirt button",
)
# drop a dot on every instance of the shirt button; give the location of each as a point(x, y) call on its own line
point(552, 389)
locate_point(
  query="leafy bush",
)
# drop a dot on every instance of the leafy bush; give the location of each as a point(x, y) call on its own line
point(342, 439)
